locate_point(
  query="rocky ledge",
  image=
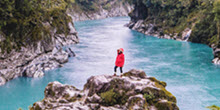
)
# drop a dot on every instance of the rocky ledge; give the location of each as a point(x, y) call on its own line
point(133, 91)
point(151, 29)
point(216, 52)
point(33, 60)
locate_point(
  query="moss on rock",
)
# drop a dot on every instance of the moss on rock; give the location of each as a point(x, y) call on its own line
point(166, 105)
point(136, 73)
point(112, 97)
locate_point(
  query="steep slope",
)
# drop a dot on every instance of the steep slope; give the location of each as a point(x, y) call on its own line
point(99, 9)
point(190, 20)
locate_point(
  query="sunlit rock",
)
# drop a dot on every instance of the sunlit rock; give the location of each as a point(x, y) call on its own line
point(2, 80)
point(133, 91)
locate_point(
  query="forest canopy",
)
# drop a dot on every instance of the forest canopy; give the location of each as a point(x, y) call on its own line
point(23, 22)
point(173, 16)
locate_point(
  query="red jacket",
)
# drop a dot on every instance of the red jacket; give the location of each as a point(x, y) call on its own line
point(120, 60)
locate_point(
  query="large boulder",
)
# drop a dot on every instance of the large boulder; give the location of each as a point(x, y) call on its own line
point(134, 91)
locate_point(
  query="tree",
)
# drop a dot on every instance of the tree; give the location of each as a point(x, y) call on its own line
point(217, 17)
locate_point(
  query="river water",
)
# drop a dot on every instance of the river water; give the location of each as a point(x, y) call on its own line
point(186, 67)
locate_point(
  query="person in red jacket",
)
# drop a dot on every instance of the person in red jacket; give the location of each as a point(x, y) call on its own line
point(119, 61)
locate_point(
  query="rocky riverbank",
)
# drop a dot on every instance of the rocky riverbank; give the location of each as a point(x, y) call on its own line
point(33, 60)
point(133, 91)
point(150, 29)
point(145, 20)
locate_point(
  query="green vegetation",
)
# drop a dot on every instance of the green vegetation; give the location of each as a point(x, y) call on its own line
point(109, 97)
point(88, 5)
point(149, 97)
point(95, 5)
point(24, 22)
point(213, 107)
point(174, 16)
point(116, 94)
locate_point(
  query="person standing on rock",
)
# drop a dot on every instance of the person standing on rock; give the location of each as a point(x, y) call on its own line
point(119, 61)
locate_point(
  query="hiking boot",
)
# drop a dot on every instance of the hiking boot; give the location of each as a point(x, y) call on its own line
point(121, 75)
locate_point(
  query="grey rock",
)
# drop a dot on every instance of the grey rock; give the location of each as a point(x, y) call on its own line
point(94, 99)
point(2, 80)
point(136, 102)
point(216, 61)
point(38, 73)
point(61, 57)
point(216, 52)
point(105, 92)
point(33, 71)
point(70, 52)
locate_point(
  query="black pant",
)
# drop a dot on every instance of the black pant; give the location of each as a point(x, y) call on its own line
point(120, 69)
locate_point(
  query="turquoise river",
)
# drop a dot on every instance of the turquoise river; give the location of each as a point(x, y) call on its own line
point(185, 66)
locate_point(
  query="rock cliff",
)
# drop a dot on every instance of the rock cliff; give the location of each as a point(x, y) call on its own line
point(100, 9)
point(33, 60)
point(183, 21)
point(133, 91)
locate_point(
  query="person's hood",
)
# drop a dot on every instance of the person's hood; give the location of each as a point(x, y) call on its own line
point(121, 49)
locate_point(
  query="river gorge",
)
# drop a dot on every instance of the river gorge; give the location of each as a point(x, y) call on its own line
point(185, 67)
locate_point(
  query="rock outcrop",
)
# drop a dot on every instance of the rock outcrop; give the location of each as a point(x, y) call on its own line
point(133, 91)
point(33, 60)
point(216, 52)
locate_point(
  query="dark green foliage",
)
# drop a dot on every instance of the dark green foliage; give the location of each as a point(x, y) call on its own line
point(173, 16)
point(23, 22)
point(109, 97)
point(208, 30)
point(88, 5)
point(116, 94)
point(95, 5)
point(113, 97)
point(149, 98)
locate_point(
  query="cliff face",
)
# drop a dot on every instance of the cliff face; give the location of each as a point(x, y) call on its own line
point(193, 21)
point(33, 60)
point(133, 91)
point(32, 34)
point(99, 9)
